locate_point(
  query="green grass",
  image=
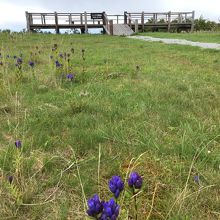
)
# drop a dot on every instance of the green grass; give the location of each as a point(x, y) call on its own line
point(168, 108)
point(210, 37)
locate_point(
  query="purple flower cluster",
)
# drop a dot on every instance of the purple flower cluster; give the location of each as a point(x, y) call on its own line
point(116, 185)
point(135, 180)
point(109, 210)
point(95, 206)
point(102, 210)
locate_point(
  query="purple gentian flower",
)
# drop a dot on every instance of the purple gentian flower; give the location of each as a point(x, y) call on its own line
point(18, 143)
point(1, 63)
point(110, 210)
point(31, 63)
point(116, 185)
point(19, 61)
point(58, 64)
point(95, 206)
point(70, 76)
point(10, 179)
point(135, 180)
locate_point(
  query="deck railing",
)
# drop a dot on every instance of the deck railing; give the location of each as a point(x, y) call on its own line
point(160, 18)
point(85, 20)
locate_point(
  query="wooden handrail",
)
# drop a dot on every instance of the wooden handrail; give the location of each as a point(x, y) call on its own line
point(108, 24)
point(134, 21)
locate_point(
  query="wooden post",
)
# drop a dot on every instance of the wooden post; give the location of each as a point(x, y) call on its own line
point(81, 19)
point(104, 18)
point(169, 20)
point(111, 27)
point(28, 21)
point(56, 23)
point(125, 17)
point(142, 21)
point(180, 18)
point(86, 26)
point(129, 20)
point(104, 22)
point(70, 19)
point(154, 18)
point(193, 21)
point(31, 19)
point(136, 26)
point(44, 19)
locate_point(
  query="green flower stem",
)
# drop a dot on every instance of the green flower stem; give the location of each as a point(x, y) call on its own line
point(135, 204)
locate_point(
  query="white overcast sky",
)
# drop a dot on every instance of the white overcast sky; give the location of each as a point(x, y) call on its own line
point(12, 12)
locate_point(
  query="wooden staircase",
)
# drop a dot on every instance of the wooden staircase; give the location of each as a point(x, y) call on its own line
point(122, 29)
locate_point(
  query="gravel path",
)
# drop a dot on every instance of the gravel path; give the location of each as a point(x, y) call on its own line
point(178, 41)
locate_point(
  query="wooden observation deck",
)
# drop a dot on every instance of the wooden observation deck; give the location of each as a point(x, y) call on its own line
point(125, 24)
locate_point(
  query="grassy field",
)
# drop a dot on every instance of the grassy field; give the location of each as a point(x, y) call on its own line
point(132, 105)
point(210, 37)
